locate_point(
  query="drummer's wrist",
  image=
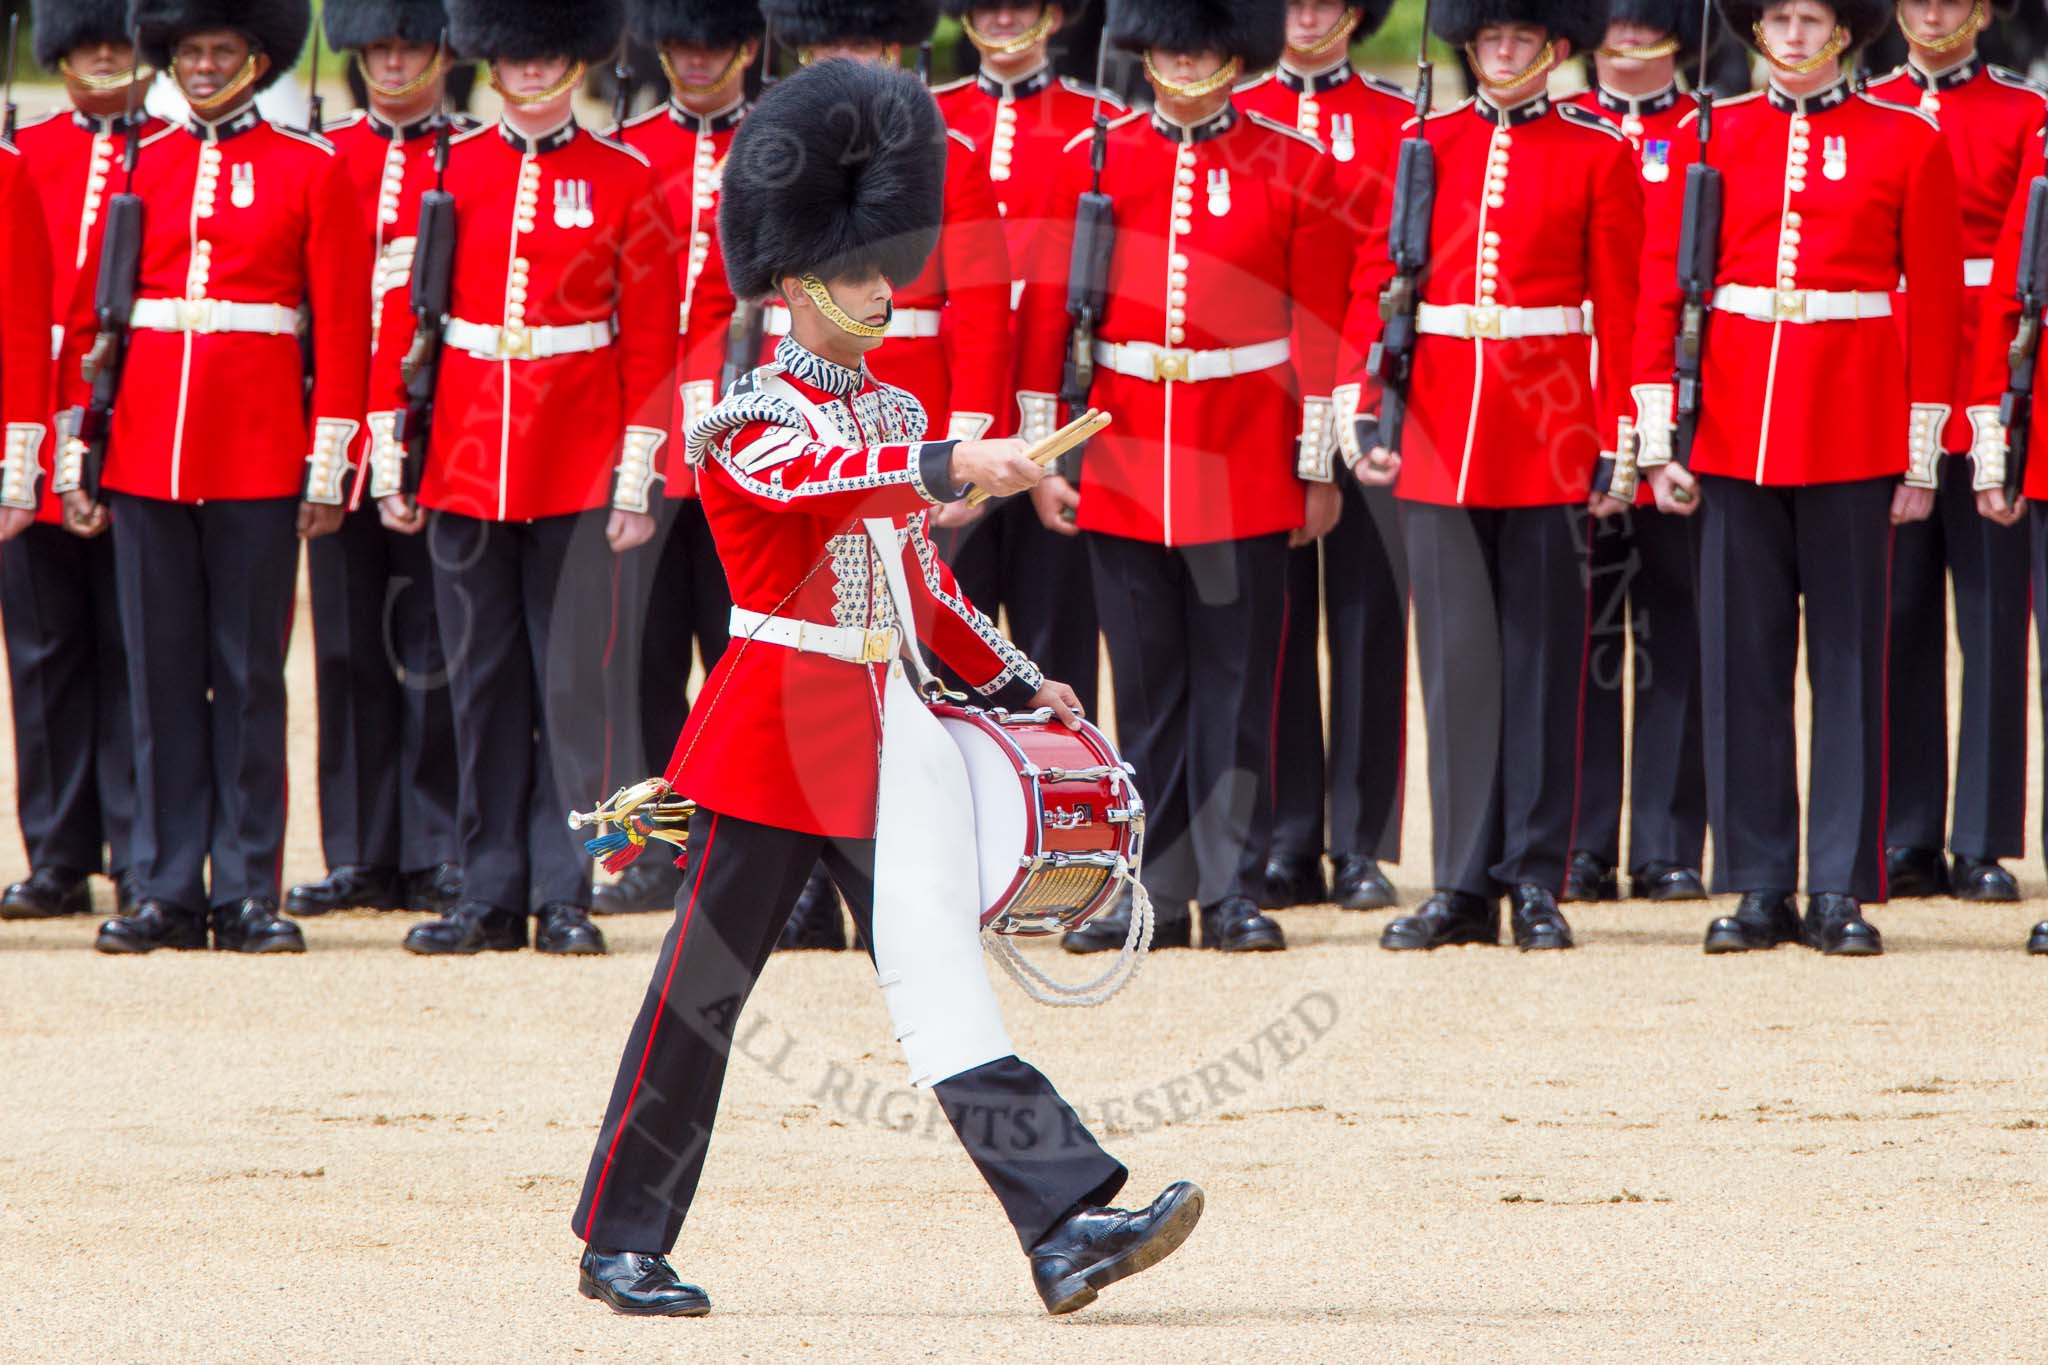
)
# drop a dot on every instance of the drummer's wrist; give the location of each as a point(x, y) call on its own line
point(933, 472)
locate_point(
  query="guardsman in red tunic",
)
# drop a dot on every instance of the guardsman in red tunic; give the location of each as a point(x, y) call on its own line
point(1829, 197)
point(1024, 556)
point(553, 400)
point(672, 592)
point(1215, 355)
point(1987, 116)
point(817, 480)
point(1641, 561)
point(221, 459)
point(387, 741)
point(1513, 405)
point(73, 739)
point(1353, 583)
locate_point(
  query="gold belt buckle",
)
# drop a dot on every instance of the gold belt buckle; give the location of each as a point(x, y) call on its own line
point(1483, 321)
point(515, 343)
point(881, 646)
point(196, 315)
point(1788, 305)
point(1171, 367)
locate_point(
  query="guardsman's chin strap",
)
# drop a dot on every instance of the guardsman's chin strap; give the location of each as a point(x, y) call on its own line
point(412, 87)
point(1835, 46)
point(102, 85)
point(1338, 36)
point(1964, 33)
point(570, 80)
point(1666, 46)
point(1538, 66)
point(1226, 74)
point(726, 77)
point(228, 95)
point(837, 316)
point(1010, 47)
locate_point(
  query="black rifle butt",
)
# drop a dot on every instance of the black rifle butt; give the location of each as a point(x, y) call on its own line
point(1408, 231)
point(1094, 243)
point(433, 262)
point(1699, 233)
point(120, 263)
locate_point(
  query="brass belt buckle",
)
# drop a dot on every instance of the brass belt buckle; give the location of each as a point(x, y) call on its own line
point(1170, 367)
point(515, 343)
point(196, 315)
point(1483, 320)
point(881, 646)
point(1788, 305)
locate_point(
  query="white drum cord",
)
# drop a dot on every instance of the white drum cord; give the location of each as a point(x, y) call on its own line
point(1121, 973)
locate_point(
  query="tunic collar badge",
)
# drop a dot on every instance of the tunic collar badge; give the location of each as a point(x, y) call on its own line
point(1833, 97)
point(1528, 111)
point(232, 126)
point(1630, 106)
point(724, 120)
point(1962, 73)
point(403, 132)
point(538, 146)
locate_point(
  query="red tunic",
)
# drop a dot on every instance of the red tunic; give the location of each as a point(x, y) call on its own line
point(688, 155)
point(1537, 207)
point(563, 231)
point(793, 739)
point(1991, 371)
point(1846, 194)
point(25, 405)
point(1222, 242)
point(1357, 117)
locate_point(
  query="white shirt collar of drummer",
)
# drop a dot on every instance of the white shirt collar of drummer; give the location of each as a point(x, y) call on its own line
point(1216, 125)
point(1023, 88)
point(1962, 73)
point(801, 363)
point(1784, 102)
point(538, 146)
point(1528, 111)
point(234, 125)
point(1320, 83)
point(1637, 106)
point(703, 125)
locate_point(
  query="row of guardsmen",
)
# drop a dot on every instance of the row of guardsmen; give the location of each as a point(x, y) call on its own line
point(511, 632)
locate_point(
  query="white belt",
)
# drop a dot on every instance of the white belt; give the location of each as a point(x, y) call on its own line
point(1161, 365)
point(1801, 305)
point(213, 315)
point(1976, 272)
point(528, 343)
point(904, 322)
point(1495, 323)
point(849, 644)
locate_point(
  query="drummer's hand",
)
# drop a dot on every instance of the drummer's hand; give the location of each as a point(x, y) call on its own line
point(1062, 700)
point(954, 516)
point(998, 468)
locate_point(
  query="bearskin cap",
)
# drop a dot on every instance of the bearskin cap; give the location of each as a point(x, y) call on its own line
point(521, 30)
point(1865, 19)
point(1070, 10)
point(1255, 31)
point(1679, 18)
point(711, 24)
point(355, 24)
point(840, 166)
point(58, 26)
point(1582, 23)
point(805, 23)
point(277, 28)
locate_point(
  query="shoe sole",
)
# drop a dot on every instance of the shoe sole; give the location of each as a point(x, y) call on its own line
point(1422, 945)
point(1260, 946)
point(1855, 948)
point(123, 948)
point(1375, 901)
point(681, 1310)
point(1715, 947)
point(18, 913)
point(1079, 1290)
point(580, 950)
point(501, 947)
point(1549, 945)
point(267, 949)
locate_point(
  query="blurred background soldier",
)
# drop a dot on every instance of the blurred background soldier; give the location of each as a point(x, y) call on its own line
point(221, 460)
point(387, 742)
point(73, 738)
point(1356, 572)
point(672, 592)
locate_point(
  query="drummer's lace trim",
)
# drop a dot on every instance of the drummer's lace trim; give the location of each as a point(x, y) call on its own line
point(1016, 666)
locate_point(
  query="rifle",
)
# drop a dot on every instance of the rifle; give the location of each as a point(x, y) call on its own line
point(622, 84)
point(1088, 266)
point(747, 333)
point(433, 283)
point(1391, 362)
point(316, 106)
point(113, 300)
point(13, 114)
point(1699, 261)
point(2016, 405)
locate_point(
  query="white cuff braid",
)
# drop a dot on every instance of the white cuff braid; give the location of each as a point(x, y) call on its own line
point(387, 456)
point(1923, 448)
point(22, 468)
point(328, 466)
point(637, 474)
point(1988, 446)
point(1317, 450)
point(1655, 404)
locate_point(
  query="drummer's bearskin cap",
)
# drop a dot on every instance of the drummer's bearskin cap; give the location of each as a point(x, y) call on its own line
point(58, 26)
point(700, 23)
point(1583, 23)
point(1253, 30)
point(525, 30)
point(355, 24)
point(840, 167)
point(805, 23)
point(1865, 19)
point(1676, 17)
point(277, 28)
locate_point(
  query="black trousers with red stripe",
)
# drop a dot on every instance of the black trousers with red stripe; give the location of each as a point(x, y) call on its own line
point(1763, 550)
point(1039, 579)
point(1500, 631)
point(672, 596)
point(742, 881)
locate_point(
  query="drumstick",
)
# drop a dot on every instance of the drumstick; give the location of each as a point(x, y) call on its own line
point(1055, 445)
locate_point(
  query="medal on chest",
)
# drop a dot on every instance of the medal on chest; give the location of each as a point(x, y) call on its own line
point(573, 204)
point(1343, 144)
point(1657, 160)
point(1219, 193)
point(242, 185)
point(1834, 157)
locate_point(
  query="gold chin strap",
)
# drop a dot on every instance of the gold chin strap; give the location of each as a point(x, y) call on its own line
point(834, 314)
point(1651, 53)
point(412, 87)
point(1194, 90)
point(1010, 47)
point(570, 80)
point(1540, 65)
point(725, 77)
point(229, 93)
point(101, 85)
point(1836, 45)
point(1965, 32)
point(1340, 34)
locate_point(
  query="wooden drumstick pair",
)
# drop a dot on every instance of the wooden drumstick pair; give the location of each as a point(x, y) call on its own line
point(1052, 447)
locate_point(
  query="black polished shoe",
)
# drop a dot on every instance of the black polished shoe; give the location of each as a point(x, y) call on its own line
point(1538, 924)
point(47, 893)
point(639, 1285)
point(346, 888)
point(1093, 1248)
point(254, 926)
point(1589, 878)
point(816, 922)
point(1762, 919)
point(1360, 885)
point(566, 931)
point(1983, 880)
point(1235, 925)
point(1109, 929)
point(1447, 917)
point(649, 884)
point(2037, 943)
point(1293, 879)
point(468, 927)
point(432, 890)
point(1666, 882)
point(1914, 873)
point(155, 924)
point(127, 892)
point(1835, 925)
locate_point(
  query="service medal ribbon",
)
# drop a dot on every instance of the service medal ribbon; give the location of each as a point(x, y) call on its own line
point(1219, 192)
point(1834, 157)
point(1657, 160)
point(242, 191)
point(1343, 144)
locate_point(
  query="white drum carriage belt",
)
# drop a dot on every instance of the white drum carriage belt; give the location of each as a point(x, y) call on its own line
point(1801, 305)
point(1492, 322)
point(848, 644)
point(213, 315)
point(1164, 364)
point(488, 342)
point(904, 322)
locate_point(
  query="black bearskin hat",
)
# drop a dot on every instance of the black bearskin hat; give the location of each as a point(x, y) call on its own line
point(1865, 19)
point(1070, 10)
point(805, 23)
point(521, 30)
point(355, 24)
point(61, 25)
point(710, 24)
point(277, 28)
point(1583, 23)
point(1252, 30)
point(840, 166)
point(1679, 18)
